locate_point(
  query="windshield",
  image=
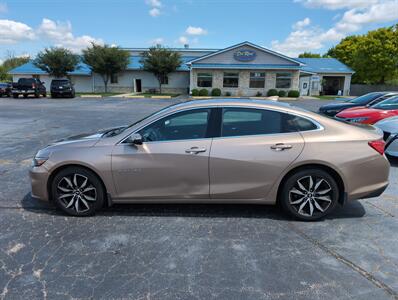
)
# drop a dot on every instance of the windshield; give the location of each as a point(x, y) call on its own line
point(59, 82)
point(26, 81)
point(364, 99)
point(388, 104)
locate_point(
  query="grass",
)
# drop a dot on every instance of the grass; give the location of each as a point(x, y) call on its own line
point(100, 94)
point(157, 94)
point(328, 97)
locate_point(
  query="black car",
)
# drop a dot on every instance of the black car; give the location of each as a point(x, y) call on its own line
point(62, 88)
point(5, 89)
point(27, 87)
point(369, 99)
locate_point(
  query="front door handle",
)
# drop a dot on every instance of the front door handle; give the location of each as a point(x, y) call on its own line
point(281, 147)
point(195, 150)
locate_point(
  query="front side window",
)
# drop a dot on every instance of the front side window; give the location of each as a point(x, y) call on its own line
point(231, 80)
point(283, 80)
point(205, 80)
point(391, 103)
point(248, 121)
point(179, 126)
point(257, 80)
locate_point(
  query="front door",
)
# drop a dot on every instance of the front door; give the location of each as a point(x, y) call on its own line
point(138, 88)
point(304, 85)
point(172, 162)
point(255, 146)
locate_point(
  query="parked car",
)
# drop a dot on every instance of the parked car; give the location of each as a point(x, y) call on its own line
point(370, 115)
point(216, 151)
point(29, 86)
point(333, 109)
point(62, 88)
point(5, 89)
point(390, 129)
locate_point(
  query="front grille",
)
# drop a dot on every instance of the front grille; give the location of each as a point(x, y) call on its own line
point(386, 136)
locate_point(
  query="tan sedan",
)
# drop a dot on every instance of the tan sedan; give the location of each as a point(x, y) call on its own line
point(217, 151)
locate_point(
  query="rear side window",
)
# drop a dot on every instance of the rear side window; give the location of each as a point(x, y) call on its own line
point(247, 121)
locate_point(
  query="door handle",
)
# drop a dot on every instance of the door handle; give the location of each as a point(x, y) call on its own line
point(281, 147)
point(195, 150)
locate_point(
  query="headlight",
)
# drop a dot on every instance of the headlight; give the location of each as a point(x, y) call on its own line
point(358, 120)
point(38, 161)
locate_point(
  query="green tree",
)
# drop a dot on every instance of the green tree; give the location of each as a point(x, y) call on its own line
point(106, 61)
point(309, 55)
point(160, 62)
point(373, 56)
point(10, 63)
point(57, 61)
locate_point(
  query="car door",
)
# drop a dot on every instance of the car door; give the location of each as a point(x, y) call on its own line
point(172, 162)
point(254, 148)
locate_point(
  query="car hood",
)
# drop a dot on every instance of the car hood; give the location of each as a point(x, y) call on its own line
point(359, 112)
point(337, 105)
point(388, 125)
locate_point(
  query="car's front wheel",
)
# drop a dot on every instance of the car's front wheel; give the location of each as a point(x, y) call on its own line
point(309, 194)
point(77, 191)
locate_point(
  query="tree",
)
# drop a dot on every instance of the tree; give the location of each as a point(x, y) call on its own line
point(106, 61)
point(57, 61)
point(309, 55)
point(10, 63)
point(160, 62)
point(373, 56)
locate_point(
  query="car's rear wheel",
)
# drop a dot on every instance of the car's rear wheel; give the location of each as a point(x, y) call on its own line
point(309, 194)
point(77, 191)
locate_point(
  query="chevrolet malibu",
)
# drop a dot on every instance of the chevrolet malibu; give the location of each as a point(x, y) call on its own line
point(216, 151)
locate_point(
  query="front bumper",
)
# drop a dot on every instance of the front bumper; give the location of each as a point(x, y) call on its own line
point(38, 179)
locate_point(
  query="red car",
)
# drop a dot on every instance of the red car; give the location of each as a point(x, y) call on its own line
point(372, 114)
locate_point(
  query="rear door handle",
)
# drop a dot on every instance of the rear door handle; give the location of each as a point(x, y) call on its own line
point(281, 147)
point(195, 150)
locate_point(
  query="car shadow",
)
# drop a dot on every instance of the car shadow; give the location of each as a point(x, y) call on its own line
point(352, 209)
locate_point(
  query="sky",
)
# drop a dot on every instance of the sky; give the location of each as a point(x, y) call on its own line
point(287, 26)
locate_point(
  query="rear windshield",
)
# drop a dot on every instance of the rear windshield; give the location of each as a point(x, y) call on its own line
point(26, 81)
point(60, 82)
point(391, 103)
point(364, 99)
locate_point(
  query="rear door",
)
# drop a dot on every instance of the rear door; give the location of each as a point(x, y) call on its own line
point(255, 147)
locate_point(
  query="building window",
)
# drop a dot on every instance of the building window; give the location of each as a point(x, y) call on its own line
point(164, 79)
point(231, 80)
point(283, 80)
point(257, 80)
point(205, 80)
point(114, 78)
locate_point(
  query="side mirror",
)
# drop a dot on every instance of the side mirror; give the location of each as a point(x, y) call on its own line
point(135, 139)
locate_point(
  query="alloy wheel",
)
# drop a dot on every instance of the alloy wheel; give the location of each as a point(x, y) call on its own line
point(75, 192)
point(311, 196)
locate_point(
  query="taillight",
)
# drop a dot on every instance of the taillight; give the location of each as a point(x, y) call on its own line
point(33, 86)
point(378, 145)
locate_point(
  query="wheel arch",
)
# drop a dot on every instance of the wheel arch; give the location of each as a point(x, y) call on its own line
point(336, 176)
point(63, 167)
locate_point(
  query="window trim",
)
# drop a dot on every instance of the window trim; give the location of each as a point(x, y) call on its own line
point(217, 110)
point(250, 80)
point(230, 87)
point(290, 77)
point(208, 76)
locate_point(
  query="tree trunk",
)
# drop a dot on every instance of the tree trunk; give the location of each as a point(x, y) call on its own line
point(105, 79)
point(160, 84)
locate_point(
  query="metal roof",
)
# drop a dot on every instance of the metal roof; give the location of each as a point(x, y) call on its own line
point(245, 66)
point(324, 65)
point(30, 69)
point(135, 63)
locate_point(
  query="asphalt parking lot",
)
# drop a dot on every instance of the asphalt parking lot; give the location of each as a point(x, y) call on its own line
point(177, 251)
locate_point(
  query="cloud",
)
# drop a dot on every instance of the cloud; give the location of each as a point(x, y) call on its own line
point(155, 7)
point(12, 32)
point(157, 41)
point(310, 38)
point(301, 24)
point(60, 33)
point(195, 31)
point(183, 40)
point(336, 4)
point(3, 8)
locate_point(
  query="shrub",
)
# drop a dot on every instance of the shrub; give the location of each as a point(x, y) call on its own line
point(259, 94)
point(293, 94)
point(228, 94)
point(216, 92)
point(195, 92)
point(282, 94)
point(203, 92)
point(272, 92)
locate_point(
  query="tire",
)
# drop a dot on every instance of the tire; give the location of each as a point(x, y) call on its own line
point(15, 96)
point(53, 96)
point(25, 95)
point(77, 191)
point(309, 194)
point(44, 95)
